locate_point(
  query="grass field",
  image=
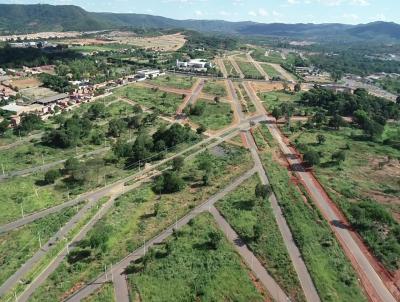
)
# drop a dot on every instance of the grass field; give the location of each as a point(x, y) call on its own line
point(216, 88)
point(329, 268)
point(215, 116)
point(248, 104)
point(369, 174)
point(100, 47)
point(104, 294)
point(390, 84)
point(175, 82)
point(133, 219)
point(19, 245)
point(167, 103)
point(249, 70)
point(246, 212)
point(230, 69)
point(189, 268)
point(271, 71)
point(276, 98)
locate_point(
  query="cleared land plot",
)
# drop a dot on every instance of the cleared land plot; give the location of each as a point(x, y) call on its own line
point(141, 214)
point(100, 47)
point(35, 93)
point(230, 69)
point(214, 116)
point(365, 185)
point(203, 268)
point(19, 245)
point(162, 43)
point(253, 219)
point(166, 103)
point(24, 83)
point(104, 294)
point(249, 70)
point(175, 82)
point(217, 88)
point(247, 104)
point(329, 268)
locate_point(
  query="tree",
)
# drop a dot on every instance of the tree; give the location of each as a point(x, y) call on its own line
point(398, 100)
point(217, 99)
point(214, 239)
point(29, 122)
point(276, 113)
point(319, 118)
point(178, 163)
point(321, 139)
point(116, 127)
point(71, 165)
point(336, 75)
point(311, 158)
point(96, 110)
point(168, 182)
point(51, 176)
point(263, 191)
point(336, 121)
point(373, 129)
point(297, 87)
point(339, 156)
point(201, 129)
point(4, 124)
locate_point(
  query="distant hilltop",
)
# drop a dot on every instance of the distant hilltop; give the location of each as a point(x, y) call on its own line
point(16, 18)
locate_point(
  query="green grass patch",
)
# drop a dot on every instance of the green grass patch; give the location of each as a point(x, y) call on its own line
point(215, 116)
point(230, 69)
point(271, 71)
point(276, 98)
point(19, 245)
point(166, 103)
point(216, 88)
point(175, 81)
point(252, 217)
point(249, 70)
point(104, 294)
point(190, 267)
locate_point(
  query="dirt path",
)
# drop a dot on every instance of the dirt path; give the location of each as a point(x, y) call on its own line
point(192, 97)
point(257, 66)
point(283, 72)
point(236, 66)
point(222, 67)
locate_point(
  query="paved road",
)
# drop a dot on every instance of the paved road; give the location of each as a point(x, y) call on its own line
point(252, 262)
point(306, 282)
point(372, 282)
point(120, 267)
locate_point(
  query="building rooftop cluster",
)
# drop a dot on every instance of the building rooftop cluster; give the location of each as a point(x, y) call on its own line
point(194, 65)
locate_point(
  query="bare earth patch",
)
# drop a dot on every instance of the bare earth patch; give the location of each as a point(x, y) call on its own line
point(160, 43)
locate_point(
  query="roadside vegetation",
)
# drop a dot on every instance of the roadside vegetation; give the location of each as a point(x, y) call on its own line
point(179, 82)
point(249, 70)
point(104, 294)
point(251, 216)
point(230, 69)
point(205, 267)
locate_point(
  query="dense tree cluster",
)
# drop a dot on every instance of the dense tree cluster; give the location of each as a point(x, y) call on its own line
point(29, 122)
point(55, 82)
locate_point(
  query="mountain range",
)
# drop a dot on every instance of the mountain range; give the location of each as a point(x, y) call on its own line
point(16, 18)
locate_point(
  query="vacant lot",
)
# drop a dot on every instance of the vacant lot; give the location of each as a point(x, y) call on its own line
point(162, 43)
point(35, 93)
point(267, 87)
point(166, 103)
point(249, 70)
point(203, 268)
point(276, 98)
point(175, 82)
point(215, 116)
point(217, 88)
point(253, 219)
point(24, 83)
point(230, 69)
point(141, 214)
point(271, 71)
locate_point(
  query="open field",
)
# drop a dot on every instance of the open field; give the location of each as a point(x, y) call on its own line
point(215, 116)
point(247, 104)
point(19, 245)
point(217, 88)
point(249, 70)
point(35, 93)
point(253, 219)
point(175, 82)
point(140, 215)
point(104, 294)
point(24, 83)
point(366, 183)
point(269, 86)
point(201, 270)
point(167, 103)
point(162, 43)
point(276, 98)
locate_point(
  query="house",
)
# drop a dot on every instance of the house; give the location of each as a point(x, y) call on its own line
point(149, 73)
point(53, 99)
point(194, 64)
point(20, 109)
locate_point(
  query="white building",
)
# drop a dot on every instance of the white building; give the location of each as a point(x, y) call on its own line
point(194, 64)
point(149, 73)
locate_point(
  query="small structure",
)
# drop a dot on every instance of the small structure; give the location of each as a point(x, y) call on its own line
point(20, 109)
point(149, 73)
point(338, 88)
point(53, 99)
point(194, 64)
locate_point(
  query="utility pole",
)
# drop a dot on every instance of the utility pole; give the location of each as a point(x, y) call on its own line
point(176, 222)
point(22, 211)
point(2, 169)
point(105, 271)
point(40, 241)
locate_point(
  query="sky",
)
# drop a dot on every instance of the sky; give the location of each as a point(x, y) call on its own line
point(266, 11)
